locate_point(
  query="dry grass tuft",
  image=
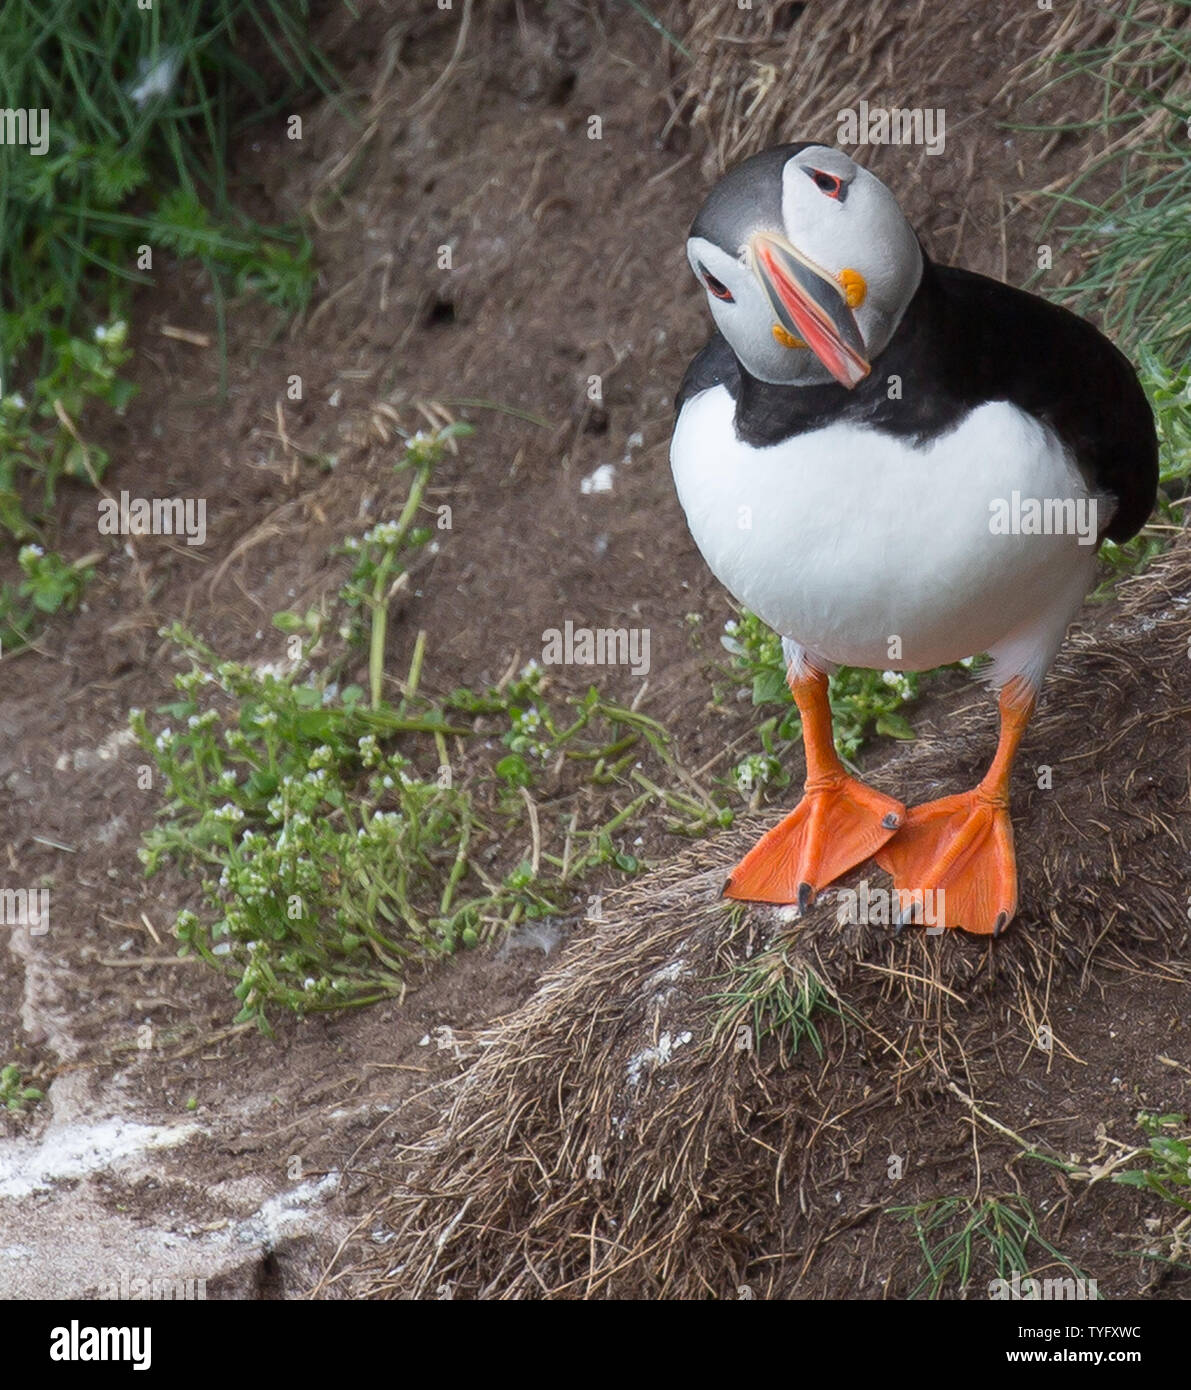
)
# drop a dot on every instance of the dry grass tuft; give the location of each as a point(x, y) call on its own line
point(631, 1131)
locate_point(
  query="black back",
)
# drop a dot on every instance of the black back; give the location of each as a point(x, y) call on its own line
point(965, 340)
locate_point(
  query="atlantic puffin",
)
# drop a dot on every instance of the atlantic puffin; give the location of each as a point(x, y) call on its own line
point(897, 465)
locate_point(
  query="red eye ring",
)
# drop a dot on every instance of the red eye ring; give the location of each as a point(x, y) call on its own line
point(830, 184)
point(716, 287)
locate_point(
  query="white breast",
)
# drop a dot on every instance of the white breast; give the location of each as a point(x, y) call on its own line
point(869, 551)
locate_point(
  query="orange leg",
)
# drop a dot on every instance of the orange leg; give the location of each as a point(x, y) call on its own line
point(838, 824)
point(953, 859)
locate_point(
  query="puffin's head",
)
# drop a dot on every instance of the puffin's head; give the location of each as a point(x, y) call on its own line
point(808, 264)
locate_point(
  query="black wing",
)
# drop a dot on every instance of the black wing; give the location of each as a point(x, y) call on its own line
point(1004, 343)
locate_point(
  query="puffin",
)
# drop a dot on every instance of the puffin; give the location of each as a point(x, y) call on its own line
point(896, 465)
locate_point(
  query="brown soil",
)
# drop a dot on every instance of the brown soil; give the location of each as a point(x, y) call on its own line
point(633, 1132)
point(568, 263)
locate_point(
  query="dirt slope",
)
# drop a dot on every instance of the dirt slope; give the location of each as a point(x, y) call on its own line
point(567, 263)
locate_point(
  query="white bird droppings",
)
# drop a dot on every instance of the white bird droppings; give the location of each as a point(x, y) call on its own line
point(599, 481)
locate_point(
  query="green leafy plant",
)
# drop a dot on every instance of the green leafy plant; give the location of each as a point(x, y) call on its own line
point(864, 704)
point(329, 859)
point(326, 848)
point(50, 584)
point(335, 838)
point(381, 553)
point(16, 1094)
point(39, 437)
point(1166, 1166)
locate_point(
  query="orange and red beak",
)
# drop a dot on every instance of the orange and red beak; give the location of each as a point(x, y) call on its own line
point(810, 305)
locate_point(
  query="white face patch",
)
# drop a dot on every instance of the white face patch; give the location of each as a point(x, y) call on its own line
point(863, 229)
point(747, 319)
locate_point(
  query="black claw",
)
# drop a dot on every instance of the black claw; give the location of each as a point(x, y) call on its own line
point(1000, 924)
point(891, 821)
point(806, 896)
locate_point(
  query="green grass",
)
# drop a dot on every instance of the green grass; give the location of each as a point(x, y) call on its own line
point(142, 104)
point(1169, 390)
point(962, 1239)
point(778, 999)
point(1137, 231)
point(338, 837)
point(1134, 237)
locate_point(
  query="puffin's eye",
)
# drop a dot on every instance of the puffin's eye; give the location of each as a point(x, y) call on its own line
point(717, 287)
point(831, 184)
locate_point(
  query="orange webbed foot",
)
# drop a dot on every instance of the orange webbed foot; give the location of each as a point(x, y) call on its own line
point(838, 824)
point(953, 865)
